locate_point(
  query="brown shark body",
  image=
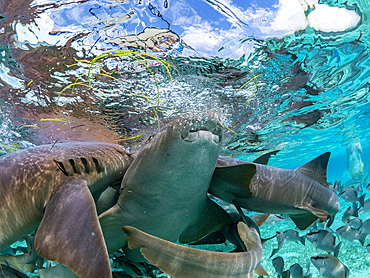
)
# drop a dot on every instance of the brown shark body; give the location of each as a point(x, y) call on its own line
point(302, 193)
point(180, 261)
point(53, 188)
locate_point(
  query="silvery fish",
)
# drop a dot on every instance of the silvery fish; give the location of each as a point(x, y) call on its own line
point(296, 271)
point(366, 207)
point(273, 219)
point(350, 212)
point(348, 233)
point(351, 196)
point(355, 223)
point(324, 240)
point(280, 239)
point(356, 185)
point(365, 228)
point(292, 235)
point(330, 266)
point(278, 264)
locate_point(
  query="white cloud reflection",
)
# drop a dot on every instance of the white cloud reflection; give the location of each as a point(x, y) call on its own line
point(276, 21)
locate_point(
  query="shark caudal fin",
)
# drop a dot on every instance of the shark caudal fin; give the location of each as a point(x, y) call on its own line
point(70, 233)
point(316, 169)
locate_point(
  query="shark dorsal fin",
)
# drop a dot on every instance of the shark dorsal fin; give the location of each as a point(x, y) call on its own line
point(264, 159)
point(316, 169)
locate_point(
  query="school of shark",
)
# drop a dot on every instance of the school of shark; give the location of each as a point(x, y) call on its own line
point(80, 204)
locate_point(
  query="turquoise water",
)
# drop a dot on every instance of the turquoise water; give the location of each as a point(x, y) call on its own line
point(284, 76)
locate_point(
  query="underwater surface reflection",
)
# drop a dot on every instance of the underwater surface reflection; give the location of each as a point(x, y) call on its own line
point(287, 75)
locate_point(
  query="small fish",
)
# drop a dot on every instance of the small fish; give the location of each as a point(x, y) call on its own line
point(296, 271)
point(324, 240)
point(278, 264)
point(355, 223)
point(354, 185)
point(348, 233)
point(337, 186)
point(351, 196)
point(280, 239)
point(330, 266)
point(273, 219)
point(350, 212)
point(365, 228)
point(293, 235)
point(366, 207)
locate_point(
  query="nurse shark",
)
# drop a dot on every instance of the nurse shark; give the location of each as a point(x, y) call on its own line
point(164, 191)
point(302, 193)
point(181, 261)
point(53, 188)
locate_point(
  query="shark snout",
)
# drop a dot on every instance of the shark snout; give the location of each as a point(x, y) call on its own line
point(211, 127)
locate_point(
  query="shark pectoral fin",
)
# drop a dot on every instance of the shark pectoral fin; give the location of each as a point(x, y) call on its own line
point(260, 218)
point(304, 220)
point(111, 222)
point(213, 238)
point(212, 218)
point(233, 179)
point(259, 270)
point(70, 233)
point(316, 169)
point(320, 213)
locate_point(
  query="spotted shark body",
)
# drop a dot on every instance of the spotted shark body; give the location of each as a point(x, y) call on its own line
point(302, 193)
point(53, 188)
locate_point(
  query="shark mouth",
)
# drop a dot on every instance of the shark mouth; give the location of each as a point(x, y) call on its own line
point(211, 129)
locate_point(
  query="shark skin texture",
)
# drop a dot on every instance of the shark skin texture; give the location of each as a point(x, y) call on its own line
point(53, 188)
point(164, 191)
point(180, 261)
point(302, 193)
